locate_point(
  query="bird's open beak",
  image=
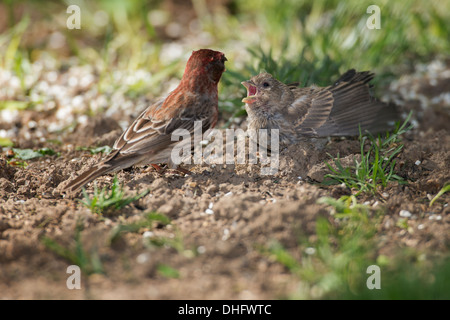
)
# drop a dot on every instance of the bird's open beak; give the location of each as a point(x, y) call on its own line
point(223, 58)
point(251, 92)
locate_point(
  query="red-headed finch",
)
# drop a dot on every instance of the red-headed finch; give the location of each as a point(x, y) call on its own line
point(337, 110)
point(148, 139)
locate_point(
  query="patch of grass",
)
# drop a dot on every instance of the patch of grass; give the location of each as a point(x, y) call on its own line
point(14, 105)
point(410, 276)
point(12, 40)
point(175, 242)
point(167, 271)
point(95, 150)
point(89, 262)
point(335, 260)
point(281, 255)
point(375, 169)
point(151, 221)
point(301, 69)
point(445, 189)
point(148, 222)
point(19, 157)
point(28, 154)
point(6, 142)
point(402, 223)
point(17, 163)
point(338, 29)
point(334, 264)
point(103, 201)
point(347, 247)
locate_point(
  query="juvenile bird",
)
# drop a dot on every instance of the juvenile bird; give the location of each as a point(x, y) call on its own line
point(148, 139)
point(337, 110)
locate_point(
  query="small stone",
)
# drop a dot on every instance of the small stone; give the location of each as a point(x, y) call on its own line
point(226, 234)
point(147, 234)
point(405, 214)
point(142, 258)
point(201, 249)
point(192, 184)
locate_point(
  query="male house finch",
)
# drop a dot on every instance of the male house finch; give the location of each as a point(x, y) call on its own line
point(148, 139)
point(337, 110)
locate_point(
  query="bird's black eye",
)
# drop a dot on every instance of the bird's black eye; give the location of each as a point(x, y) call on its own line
point(266, 84)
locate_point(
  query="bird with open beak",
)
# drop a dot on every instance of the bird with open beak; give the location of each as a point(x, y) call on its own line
point(341, 109)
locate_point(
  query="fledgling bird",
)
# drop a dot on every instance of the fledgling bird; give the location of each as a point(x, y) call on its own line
point(336, 110)
point(148, 139)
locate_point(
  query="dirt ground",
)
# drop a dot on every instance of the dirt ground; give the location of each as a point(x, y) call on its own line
point(220, 215)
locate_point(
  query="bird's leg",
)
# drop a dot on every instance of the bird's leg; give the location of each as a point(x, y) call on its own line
point(155, 167)
point(179, 170)
point(182, 170)
point(161, 171)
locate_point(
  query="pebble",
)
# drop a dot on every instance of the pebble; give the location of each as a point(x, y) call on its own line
point(405, 214)
point(192, 184)
point(147, 234)
point(201, 249)
point(142, 258)
point(226, 234)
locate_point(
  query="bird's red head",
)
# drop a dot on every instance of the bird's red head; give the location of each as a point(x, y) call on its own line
point(206, 62)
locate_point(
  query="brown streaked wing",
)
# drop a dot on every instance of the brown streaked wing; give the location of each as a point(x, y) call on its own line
point(293, 85)
point(141, 120)
point(158, 136)
point(318, 106)
point(355, 108)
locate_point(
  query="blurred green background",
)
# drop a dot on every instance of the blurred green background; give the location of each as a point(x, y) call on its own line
point(306, 41)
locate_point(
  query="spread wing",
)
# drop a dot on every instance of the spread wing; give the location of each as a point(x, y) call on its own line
point(314, 105)
point(341, 109)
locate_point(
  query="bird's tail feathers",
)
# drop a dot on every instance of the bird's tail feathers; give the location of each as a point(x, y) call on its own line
point(354, 108)
point(86, 177)
point(374, 117)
